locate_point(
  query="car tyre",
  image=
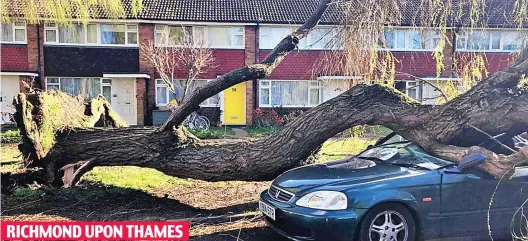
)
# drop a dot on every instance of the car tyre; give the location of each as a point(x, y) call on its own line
point(399, 227)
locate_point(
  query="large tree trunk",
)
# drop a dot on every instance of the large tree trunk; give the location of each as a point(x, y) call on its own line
point(496, 105)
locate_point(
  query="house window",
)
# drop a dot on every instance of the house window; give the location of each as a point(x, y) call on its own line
point(320, 38)
point(13, 32)
point(103, 34)
point(164, 95)
point(409, 39)
point(412, 89)
point(173, 35)
point(216, 37)
point(498, 41)
point(289, 93)
point(88, 87)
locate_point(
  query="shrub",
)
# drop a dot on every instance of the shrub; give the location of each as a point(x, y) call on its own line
point(26, 192)
point(11, 136)
point(266, 118)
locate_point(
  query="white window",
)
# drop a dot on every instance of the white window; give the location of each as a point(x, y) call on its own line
point(412, 89)
point(164, 95)
point(490, 41)
point(95, 34)
point(214, 36)
point(320, 38)
point(87, 87)
point(409, 39)
point(289, 93)
point(13, 32)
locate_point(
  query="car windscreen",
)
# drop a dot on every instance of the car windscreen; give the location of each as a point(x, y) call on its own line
point(404, 153)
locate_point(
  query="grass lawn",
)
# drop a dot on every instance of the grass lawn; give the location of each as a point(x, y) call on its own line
point(213, 133)
point(258, 132)
point(335, 149)
point(10, 157)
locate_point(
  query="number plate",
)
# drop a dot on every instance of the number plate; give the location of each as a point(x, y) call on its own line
point(267, 210)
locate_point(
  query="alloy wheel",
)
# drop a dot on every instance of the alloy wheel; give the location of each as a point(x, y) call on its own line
point(388, 226)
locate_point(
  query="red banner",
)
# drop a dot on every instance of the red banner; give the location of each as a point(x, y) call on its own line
point(94, 230)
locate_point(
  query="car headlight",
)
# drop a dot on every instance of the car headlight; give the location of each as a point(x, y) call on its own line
point(324, 200)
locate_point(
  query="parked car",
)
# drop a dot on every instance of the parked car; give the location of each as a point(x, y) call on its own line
point(395, 191)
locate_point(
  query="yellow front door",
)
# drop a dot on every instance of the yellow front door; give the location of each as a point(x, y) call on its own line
point(235, 105)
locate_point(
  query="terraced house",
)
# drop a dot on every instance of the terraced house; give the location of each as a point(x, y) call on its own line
point(104, 57)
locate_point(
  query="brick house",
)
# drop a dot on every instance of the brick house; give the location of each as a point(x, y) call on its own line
point(104, 57)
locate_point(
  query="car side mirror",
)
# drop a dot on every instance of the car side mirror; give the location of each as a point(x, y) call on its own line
point(471, 161)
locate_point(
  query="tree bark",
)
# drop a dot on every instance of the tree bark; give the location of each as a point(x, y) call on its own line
point(496, 105)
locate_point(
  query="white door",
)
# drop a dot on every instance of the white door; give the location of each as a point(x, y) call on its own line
point(9, 88)
point(124, 99)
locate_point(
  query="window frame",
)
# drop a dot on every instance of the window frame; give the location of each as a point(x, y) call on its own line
point(305, 43)
point(166, 28)
point(55, 28)
point(14, 27)
point(318, 86)
point(428, 35)
point(168, 94)
point(465, 35)
point(416, 87)
point(58, 84)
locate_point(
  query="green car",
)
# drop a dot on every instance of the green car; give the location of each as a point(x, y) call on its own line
point(395, 191)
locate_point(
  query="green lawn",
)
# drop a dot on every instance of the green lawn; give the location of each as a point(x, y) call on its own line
point(213, 133)
point(11, 158)
point(138, 178)
point(340, 148)
point(258, 132)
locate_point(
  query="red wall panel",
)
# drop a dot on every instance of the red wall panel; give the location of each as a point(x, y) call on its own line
point(14, 57)
point(494, 61)
point(225, 60)
point(305, 65)
point(296, 66)
point(420, 64)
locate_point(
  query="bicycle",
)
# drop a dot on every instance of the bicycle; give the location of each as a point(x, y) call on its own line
point(193, 121)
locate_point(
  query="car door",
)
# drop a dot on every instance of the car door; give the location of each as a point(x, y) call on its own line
point(466, 197)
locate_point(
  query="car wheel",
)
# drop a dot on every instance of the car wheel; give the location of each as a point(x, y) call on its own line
point(387, 222)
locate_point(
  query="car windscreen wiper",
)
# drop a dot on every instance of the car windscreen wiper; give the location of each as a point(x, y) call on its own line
point(409, 165)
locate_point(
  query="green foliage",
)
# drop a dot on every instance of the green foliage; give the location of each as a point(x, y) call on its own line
point(59, 111)
point(257, 131)
point(10, 136)
point(213, 133)
point(26, 192)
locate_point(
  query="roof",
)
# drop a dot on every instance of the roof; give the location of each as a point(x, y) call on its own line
point(247, 11)
point(498, 12)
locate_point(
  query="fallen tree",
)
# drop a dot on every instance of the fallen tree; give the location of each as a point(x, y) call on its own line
point(499, 104)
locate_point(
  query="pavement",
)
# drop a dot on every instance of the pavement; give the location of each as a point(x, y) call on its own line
point(240, 132)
